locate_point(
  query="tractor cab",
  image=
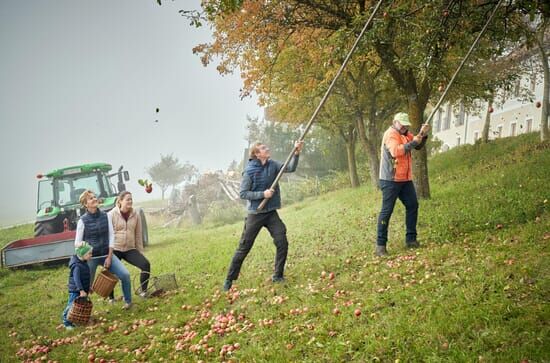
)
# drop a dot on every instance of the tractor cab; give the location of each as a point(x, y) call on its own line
point(58, 205)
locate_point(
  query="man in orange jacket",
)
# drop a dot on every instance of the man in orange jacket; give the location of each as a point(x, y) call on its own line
point(396, 179)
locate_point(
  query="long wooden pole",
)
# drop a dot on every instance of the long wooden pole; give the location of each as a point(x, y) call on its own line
point(463, 62)
point(323, 100)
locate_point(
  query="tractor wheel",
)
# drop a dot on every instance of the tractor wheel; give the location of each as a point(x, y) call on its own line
point(144, 229)
point(44, 228)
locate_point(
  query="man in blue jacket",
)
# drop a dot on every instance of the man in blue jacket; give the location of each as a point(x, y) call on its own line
point(258, 176)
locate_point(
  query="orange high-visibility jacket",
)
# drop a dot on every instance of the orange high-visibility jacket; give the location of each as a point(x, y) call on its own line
point(395, 158)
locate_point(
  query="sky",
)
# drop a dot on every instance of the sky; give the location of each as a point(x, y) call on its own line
point(80, 82)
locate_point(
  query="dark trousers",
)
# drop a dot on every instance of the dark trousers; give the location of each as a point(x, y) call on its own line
point(252, 226)
point(136, 258)
point(407, 195)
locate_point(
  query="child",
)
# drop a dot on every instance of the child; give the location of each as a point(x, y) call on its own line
point(79, 278)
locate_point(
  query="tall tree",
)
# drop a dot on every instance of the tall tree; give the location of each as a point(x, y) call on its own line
point(289, 56)
point(534, 24)
point(170, 172)
point(418, 44)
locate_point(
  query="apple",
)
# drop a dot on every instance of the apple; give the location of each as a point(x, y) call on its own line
point(441, 88)
point(385, 15)
point(491, 109)
point(445, 13)
point(336, 311)
point(331, 276)
point(149, 188)
point(357, 312)
point(538, 104)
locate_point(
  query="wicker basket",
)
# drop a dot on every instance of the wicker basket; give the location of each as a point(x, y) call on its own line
point(105, 283)
point(80, 311)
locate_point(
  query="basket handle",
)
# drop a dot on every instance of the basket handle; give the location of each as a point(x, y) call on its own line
point(84, 298)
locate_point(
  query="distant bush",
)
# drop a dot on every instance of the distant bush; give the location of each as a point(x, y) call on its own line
point(222, 212)
point(294, 191)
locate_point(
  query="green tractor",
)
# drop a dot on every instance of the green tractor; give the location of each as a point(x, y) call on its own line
point(58, 207)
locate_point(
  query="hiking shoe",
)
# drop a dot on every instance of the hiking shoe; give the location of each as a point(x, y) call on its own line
point(277, 279)
point(69, 327)
point(413, 244)
point(227, 285)
point(126, 306)
point(381, 251)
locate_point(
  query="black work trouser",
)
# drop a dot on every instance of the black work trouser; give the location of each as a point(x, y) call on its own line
point(252, 226)
point(136, 258)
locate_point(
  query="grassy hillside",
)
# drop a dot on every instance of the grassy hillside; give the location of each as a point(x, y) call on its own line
point(477, 290)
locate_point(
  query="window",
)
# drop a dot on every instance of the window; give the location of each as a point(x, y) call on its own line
point(517, 88)
point(45, 194)
point(513, 129)
point(533, 82)
point(528, 125)
point(448, 117)
point(460, 116)
point(438, 120)
point(69, 188)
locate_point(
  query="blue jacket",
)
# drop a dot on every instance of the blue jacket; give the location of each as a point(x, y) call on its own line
point(96, 232)
point(79, 277)
point(257, 178)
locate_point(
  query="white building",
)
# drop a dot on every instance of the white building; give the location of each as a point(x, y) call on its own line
point(454, 127)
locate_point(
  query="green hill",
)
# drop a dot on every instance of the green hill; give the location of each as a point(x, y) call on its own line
point(477, 290)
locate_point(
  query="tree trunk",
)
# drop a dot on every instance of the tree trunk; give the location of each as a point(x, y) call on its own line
point(194, 210)
point(350, 140)
point(487, 124)
point(370, 148)
point(420, 157)
point(544, 132)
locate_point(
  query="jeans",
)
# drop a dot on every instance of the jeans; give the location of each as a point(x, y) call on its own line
point(118, 269)
point(136, 258)
point(252, 226)
point(407, 194)
point(72, 297)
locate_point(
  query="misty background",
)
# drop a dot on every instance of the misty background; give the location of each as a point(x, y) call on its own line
point(80, 82)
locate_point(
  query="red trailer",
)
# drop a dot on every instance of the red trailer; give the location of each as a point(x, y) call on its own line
point(51, 247)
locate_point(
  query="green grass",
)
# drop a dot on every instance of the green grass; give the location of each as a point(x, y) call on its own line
point(478, 289)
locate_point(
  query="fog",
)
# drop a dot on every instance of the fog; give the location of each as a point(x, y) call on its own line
point(80, 82)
